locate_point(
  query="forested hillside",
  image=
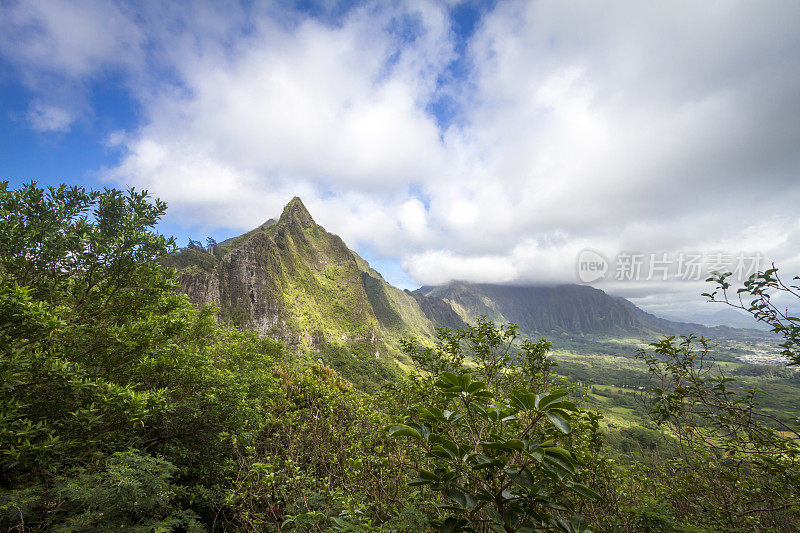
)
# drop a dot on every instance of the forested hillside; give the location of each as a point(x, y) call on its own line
point(127, 405)
point(293, 281)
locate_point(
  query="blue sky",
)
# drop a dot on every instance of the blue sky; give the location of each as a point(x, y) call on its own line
point(73, 156)
point(487, 141)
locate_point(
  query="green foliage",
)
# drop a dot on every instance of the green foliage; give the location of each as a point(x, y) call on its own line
point(636, 441)
point(131, 491)
point(738, 467)
point(321, 457)
point(505, 451)
point(762, 287)
point(357, 362)
point(87, 301)
point(100, 355)
point(123, 406)
point(191, 257)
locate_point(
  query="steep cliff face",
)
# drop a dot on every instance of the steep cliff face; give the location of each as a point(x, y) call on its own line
point(574, 309)
point(291, 280)
point(571, 310)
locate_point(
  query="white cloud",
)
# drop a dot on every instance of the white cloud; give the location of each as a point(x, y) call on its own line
point(319, 108)
point(615, 126)
point(442, 266)
point(73, 38)
point(44, 117)
point(413, 221)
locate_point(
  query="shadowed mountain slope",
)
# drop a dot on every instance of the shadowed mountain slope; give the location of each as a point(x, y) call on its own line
point(571, 309)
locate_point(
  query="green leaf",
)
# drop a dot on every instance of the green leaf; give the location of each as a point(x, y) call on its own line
point(561, 458)
point(515, 444)
point(523, 478)
point(563, 405)
point(453, 525)
point(543, 401)
point(428, 475)
point(481, 461)
point(454, 380)
point(461, 497)
point(558, 419)
point(583, 491)
point(448, 475)
point(432, 413)
point(442, 452)
point(404, 431)
point(475, 387)
point(483, 395)
point(579, 524)
point(523, 401)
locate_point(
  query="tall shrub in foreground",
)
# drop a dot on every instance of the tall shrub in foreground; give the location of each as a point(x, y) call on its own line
point(110, 377)
point(499, 445)
point(738, 465)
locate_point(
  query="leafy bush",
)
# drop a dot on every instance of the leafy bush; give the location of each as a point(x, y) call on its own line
point(738, 466)
point(131, 491)
point(503, 449)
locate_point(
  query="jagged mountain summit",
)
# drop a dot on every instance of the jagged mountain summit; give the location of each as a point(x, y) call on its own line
point(292, 280)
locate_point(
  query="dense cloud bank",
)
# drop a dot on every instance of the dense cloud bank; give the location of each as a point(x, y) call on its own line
point(491, 152)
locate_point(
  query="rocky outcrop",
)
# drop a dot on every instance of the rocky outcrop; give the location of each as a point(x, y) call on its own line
point(291, 280)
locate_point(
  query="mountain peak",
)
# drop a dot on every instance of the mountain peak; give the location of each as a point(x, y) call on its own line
point(296, 213)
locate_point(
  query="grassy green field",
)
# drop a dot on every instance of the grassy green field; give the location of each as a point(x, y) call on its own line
point(616, 384)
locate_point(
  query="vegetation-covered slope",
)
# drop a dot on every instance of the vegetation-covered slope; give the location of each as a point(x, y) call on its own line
point(557, 309)
point(403, 313)
point(293, 281)
point(540, 309)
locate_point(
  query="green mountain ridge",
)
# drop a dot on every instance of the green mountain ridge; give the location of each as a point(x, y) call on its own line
point(540, 309)
point(295, 282)
point(561, 309)
point(291, 280)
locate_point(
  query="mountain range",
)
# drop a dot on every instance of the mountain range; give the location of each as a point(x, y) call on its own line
point(725, 317)
point(292, 280)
